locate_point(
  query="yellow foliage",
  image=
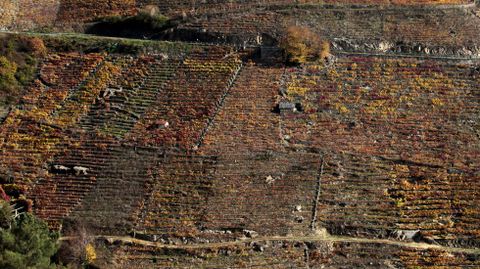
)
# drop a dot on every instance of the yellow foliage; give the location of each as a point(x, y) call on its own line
point(7, 68)
point(437, 102)
point(406, 185)
point(8, 82)
point(301, 43)
point(399, 202)
point(293, 90)
point(90, 253)
point(402, 168)
point(73, 109)
point(332, 74)
point(424, 83)
point(341, 108)
point(325, 51)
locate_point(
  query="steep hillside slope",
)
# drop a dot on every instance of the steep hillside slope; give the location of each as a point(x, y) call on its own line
point(219, 153)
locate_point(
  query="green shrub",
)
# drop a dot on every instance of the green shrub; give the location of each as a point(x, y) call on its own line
point(6, 217)
point(8, 82)
point(154, 21)
point(26, 72)
point(27, 243)
point(18, 65)
point(143, 19)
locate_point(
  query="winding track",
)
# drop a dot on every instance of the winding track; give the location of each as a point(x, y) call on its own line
point(308, 238)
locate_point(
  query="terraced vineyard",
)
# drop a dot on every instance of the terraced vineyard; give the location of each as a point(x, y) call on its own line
point(414, 169)
point(216, 152)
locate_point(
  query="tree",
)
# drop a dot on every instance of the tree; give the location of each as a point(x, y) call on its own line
point(6, 217)
point(8, 82)
point(301, 44)
point(27, 243)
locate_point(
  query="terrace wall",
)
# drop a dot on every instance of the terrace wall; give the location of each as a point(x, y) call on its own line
point(175, 7)
point(450, 32)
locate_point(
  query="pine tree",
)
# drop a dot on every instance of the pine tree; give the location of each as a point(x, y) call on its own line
point(26, 243)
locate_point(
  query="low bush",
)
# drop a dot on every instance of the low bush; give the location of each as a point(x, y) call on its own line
point(155, 21)
point(8, 82)
point(302, 44)
point(18, 65)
